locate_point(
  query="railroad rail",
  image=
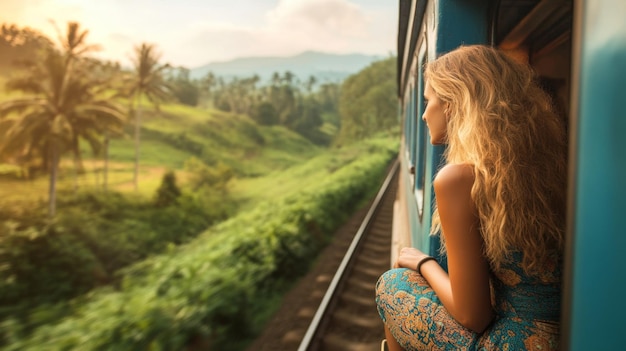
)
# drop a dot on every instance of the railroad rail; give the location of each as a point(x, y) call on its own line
point(347, 318)
point(328, 310)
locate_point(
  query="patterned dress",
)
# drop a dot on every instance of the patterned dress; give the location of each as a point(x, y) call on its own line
point(527, 312)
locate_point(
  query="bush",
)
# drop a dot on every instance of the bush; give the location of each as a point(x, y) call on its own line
point(215, 287)
point(168, 192)
point(43, 265)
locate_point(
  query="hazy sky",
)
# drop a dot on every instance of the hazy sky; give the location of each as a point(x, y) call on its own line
point(195, 32)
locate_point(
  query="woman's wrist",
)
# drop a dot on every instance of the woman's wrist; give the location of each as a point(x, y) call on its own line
point(425, 259)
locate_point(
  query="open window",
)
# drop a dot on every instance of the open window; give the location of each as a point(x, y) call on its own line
point(421, 131)
point(539, 33)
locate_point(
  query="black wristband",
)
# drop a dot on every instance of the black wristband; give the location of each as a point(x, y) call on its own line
point(422, 261)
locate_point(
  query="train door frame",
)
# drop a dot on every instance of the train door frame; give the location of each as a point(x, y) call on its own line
point(594, 280)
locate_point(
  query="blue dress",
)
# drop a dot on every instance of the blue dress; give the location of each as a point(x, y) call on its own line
point(527, 311)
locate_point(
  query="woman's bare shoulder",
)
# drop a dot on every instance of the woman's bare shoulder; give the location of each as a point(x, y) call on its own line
point(455, 177)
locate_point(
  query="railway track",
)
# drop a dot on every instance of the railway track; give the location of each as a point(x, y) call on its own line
point(333, 308)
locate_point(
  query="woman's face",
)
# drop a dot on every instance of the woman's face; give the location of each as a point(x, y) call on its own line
point(435, 116)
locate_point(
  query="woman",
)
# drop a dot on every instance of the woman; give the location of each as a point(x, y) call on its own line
point(500, 210)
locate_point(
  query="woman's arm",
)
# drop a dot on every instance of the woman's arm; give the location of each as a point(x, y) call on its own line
point(464, 290)
point(467, 293)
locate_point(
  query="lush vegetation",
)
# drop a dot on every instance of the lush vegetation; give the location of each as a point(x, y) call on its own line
point(367, 103)
point(214, 289)
point(200, 203)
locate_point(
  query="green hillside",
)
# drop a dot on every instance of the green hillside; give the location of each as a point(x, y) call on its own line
point(170, 137)
point(221, 286)
point(104, 255)
point(217, 136)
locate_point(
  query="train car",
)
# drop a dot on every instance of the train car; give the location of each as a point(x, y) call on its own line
point(578, 49)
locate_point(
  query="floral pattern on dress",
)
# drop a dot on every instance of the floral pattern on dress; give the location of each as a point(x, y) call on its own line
point(527, 312)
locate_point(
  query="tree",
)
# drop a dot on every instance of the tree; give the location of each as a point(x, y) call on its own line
point(168, 192)
point(284, 97)
point(58, 106)
point(18, 44)
point(265, 114)
point(367, 102)
point(147, 81)
point(309, 119)
point(310, 84)
point(207, 86)
point(184, 89)
point(328, 96)
point(74, 47)
point(74, 42)
point(239, 95)
point(109, 78)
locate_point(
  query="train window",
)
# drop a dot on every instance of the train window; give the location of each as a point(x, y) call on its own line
point(413, 132)
point(421, 134)
point(409, 125)
point(407, 128)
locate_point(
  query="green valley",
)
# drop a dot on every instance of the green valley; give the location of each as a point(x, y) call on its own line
point(135, 217)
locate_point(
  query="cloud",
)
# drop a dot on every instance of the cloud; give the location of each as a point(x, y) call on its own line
point(339, 26)
point(193, 33)
point(338, 17)
point(291, 27)
point(211, 42)
point(12, 11)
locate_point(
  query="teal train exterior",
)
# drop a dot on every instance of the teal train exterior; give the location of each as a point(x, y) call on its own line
point(578, 48)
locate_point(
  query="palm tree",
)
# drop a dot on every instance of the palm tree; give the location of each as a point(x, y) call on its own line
point(74, 41)
point(309, 84)
point(111, 78)
point(57, 108)
point(97, 129)
point(74, 47)
point(207, 86)
point(147, 81)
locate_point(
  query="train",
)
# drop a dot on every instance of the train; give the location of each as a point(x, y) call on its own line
point(578, 50)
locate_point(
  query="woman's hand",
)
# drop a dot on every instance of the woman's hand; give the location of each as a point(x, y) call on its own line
point(409, 258)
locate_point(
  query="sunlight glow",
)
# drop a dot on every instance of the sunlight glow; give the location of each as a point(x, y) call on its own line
point(195, 32)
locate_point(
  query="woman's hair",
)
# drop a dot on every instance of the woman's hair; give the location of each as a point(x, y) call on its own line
point(501, 122)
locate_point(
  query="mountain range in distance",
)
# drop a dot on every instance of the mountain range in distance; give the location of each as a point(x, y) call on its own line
point(324, 67)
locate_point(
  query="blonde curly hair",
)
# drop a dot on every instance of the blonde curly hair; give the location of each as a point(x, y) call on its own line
point(503, 123)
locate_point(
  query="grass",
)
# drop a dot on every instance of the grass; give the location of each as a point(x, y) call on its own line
point(276, 184)
point(120, 178)
point(152, 153)
point(270, 163)
point(170, 137)
point(222, 277)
